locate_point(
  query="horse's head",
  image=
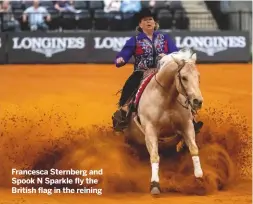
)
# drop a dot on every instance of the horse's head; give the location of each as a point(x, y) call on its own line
point(187, 77)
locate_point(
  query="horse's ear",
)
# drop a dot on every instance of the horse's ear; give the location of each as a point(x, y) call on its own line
point(194, 57)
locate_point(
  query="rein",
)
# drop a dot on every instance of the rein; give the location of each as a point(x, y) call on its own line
point(187, 102)
point(184, 90)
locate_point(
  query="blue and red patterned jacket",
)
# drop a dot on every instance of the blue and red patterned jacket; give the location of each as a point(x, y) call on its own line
point(145, 51)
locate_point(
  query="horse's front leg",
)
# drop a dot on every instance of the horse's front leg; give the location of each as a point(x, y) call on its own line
point(152, 146)
point(190, 141)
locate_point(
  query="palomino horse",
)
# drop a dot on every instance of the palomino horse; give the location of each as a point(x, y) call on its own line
point(165, 109)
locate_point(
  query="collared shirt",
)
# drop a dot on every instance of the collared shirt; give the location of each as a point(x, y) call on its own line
point(145, 51)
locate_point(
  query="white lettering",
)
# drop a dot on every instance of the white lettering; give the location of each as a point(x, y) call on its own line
point(48, 45)
point(114, 43)
point(23, 181)
point(211, 44)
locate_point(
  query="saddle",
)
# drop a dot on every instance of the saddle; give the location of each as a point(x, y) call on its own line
point(120, 118)
point(147, 76)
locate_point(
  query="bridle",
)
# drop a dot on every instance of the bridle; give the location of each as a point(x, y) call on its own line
point(187, 102)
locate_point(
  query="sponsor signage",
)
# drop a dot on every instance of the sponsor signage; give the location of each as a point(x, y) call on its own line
point(215, 46)
point(47, 47)
point(106, 45)
point(102, 47)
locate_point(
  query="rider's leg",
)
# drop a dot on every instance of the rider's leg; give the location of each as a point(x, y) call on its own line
point(129, 88)
point(132, 83)
point(125, 108)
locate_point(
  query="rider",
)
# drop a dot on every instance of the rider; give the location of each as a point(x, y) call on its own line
point(146, 47)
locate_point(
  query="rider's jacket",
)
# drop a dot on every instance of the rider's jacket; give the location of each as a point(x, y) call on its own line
point(145, 51)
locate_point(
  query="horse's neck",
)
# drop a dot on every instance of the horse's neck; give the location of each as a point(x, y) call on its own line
point(173, 92)
point(166, 77)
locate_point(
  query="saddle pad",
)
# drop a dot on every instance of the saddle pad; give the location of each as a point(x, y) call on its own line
point(142, 88)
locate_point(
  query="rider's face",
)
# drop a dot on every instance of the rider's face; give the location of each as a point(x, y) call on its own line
point(147, 24)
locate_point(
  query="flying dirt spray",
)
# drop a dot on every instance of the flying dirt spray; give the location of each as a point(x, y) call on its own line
point(49, 141)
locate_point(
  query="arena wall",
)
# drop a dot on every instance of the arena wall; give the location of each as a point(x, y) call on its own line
point(101, 47)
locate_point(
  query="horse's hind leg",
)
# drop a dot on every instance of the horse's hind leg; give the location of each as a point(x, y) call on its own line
point(189, 137)
point(152, 146)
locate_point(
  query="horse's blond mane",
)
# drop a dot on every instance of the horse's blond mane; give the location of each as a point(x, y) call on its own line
point(183, 55)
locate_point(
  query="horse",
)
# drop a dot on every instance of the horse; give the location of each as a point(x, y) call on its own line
point(165, 110)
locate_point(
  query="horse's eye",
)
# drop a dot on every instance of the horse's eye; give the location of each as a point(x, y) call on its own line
point(184, 78)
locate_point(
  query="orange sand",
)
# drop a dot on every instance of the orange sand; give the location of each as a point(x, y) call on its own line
point(47, 113)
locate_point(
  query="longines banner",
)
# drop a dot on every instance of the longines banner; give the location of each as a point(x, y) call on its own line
point(230, 46)
point(102, 47)
point(106, 45)
point(29, 47)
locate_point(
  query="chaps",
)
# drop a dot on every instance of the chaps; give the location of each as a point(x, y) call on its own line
point(130, 87)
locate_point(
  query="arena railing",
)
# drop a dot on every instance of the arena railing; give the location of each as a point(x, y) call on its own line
point(175, 20)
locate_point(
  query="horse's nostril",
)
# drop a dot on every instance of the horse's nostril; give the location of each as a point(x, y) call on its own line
point(197, 102)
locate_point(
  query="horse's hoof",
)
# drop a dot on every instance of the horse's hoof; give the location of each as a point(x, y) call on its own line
point(155, 188)
point(155, 191)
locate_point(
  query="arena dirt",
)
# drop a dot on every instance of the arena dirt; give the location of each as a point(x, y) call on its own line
point(59, 117)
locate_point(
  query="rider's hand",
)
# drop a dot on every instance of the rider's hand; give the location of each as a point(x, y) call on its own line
point(120, 60)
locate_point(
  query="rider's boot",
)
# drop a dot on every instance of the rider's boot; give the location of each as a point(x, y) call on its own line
point(119, 119)
point(124, 111)
point(197, 126)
